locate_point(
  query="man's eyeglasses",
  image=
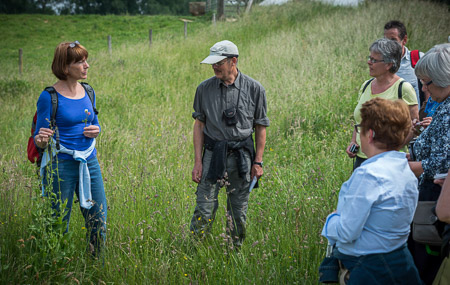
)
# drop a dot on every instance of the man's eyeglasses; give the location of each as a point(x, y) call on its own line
point(373, 60)
point(220, 63)
point(72, 45)
point(357, 128)
point(426, 83)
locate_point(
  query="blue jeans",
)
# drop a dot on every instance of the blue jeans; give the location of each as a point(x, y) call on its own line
point(67, 185)
point(395, 267)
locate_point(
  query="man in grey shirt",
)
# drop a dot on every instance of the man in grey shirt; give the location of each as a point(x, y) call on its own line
point(228, 108)
point(396, 31)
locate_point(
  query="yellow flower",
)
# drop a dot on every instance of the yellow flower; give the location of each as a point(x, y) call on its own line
point(270, 149)
point(185, 257)
point(83, 228)
point(199, 218)
point(185, 275)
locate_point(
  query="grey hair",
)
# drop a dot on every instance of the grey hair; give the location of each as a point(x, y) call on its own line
point(390, 50)
point(435, 64)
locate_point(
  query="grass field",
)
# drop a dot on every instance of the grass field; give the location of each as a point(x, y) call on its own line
point(311, 58)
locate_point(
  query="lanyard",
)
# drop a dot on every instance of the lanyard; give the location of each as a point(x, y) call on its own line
point(239, 92)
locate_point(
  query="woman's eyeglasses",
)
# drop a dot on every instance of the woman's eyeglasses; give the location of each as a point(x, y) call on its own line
point(373, 60)
point(357, 128)
point(72, 45)
point(426, 83)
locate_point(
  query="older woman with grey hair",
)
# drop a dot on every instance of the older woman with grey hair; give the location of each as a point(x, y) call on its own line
point(384, 61)
point(431, 148)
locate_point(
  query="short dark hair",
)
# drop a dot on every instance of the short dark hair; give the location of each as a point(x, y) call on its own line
point(394, 24)
point(65, 54)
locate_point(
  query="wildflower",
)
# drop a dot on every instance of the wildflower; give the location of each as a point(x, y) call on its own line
point(83, 228)
point(185, 257)
point(185, 275)
point(270, 149)
point(86, 111)
point(199, 218)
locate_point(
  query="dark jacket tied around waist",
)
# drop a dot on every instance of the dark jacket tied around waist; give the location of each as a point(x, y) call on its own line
point(220, 151)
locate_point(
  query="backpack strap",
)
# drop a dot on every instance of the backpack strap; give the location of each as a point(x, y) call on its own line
point(400, 96)
point(415, 56)
point(367, 84)
point(90, 91)
point(54, 99)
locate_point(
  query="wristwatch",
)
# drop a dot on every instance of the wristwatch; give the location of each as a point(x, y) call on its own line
point(258, 163)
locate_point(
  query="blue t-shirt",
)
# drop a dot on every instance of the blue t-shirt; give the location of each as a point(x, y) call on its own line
point(71, 119)
point(431, 107)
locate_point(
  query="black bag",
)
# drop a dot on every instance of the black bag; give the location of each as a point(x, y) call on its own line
point(230, 116)
point(424, 228)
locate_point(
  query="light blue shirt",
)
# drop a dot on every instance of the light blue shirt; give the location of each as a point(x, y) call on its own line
point(407, 72)
point(84, 182)
point(375, 207)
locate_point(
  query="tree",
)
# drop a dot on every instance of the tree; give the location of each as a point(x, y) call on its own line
point(101, 7)
point(26, 6)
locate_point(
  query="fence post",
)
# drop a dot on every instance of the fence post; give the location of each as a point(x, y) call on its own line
point(221, 10)
point(109, 44)
point(214, 19)
point(249, 6)
point(150, 37)
point(20, 61)
point(185, 29)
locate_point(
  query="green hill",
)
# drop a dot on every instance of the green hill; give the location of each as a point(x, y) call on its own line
point(310, 57)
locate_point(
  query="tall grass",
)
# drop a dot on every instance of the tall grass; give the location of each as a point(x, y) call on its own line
point(311, 59)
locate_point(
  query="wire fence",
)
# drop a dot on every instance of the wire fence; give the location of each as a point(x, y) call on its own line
point(232, 7)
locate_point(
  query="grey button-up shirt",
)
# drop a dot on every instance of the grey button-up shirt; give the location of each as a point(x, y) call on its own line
point(213, 96)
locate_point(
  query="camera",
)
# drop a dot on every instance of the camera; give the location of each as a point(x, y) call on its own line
point(419, 127)
point(354, 148)
point(230, 116)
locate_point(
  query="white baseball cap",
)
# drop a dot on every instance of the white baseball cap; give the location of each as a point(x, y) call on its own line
point(220, 51)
